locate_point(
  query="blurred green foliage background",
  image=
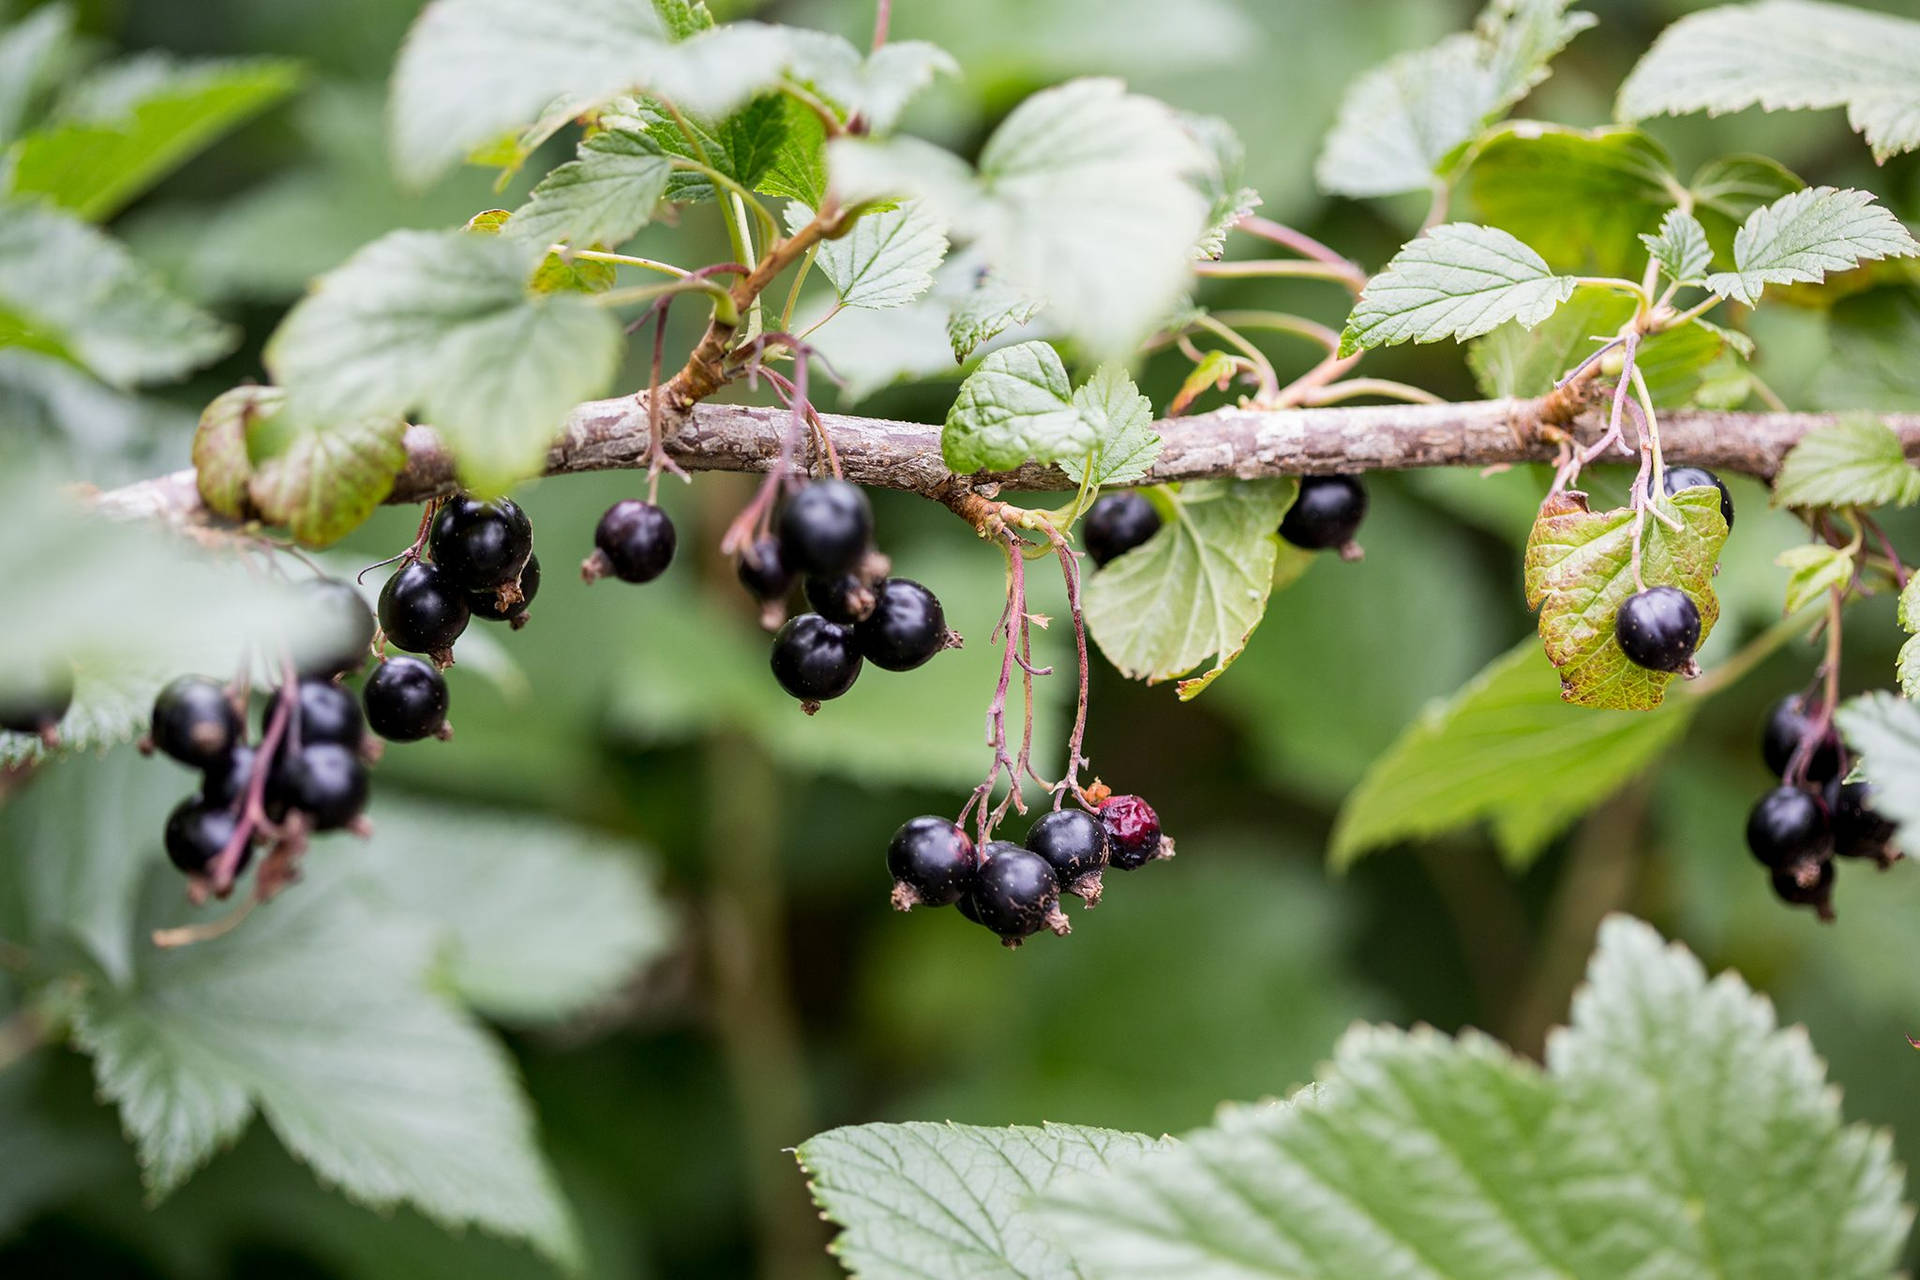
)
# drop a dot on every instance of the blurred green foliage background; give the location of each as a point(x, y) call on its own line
point(796, 1000)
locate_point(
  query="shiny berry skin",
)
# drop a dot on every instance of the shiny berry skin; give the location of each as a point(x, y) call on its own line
point(905, 629)
point(825, 529)
point(1327, 513)
point(406, 700)
point(844, 599)
point(347, 623)
point(1858, 830)
point(932, 863)
point(1787, 887)
point(1133, 832)
point(422, 609)
point(329, 713)
point(196, 833)
point(1117, 523)
point(636, 539)
point(486, 605)
point(815, 660)
point(36, 706)
point(1015, 893)
point(1677, 478)
point(326, 782)
point(225, 782)
point(1787, 724)
point(481, 544)
point(194, 721)
point(1075, 846)
point(1786, 826)
point(1658, 629)
point(763, 573)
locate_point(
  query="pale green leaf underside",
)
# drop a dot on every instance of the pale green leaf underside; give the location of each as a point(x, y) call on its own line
point(1812, 570)
point(1786, 55)
point(988, 307)
point(1885, 730)
point(1856, 462)
point(602, 197)
point(1457, 281)
point(1017, 404)
point(1800, 237)
point(1125, 443)
point(1680, 248)
point(886, 260)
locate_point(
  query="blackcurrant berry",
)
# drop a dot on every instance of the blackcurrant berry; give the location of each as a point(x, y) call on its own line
point(1117, 523)
point(1015, 893)
point(223, 783)
point(1075, 846)
point(196, 833)
point(1327, 513)
point(634, 542)
point(763, 573)
point(825, 529)
point(1658, 629)
point(328, 713)
point(1133, 832)
point(906, 628)
point(932, 863)
point(1858, 830)
point(325, 781)
point(845, 598)
point(1787, 724)
point(343, 618)
point(195, 722)
point(1815, 892)
point(37, 704)
point(486, 605)
point(481, 544)
point(406, 700)
point(1787, 825)
point(422, 609)
point(815, 660)
point(1678, 478)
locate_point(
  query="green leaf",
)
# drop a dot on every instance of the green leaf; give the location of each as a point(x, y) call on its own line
point(1223, 183)
point(887, 259)
point(1426, 1155)
point(322, 483)
point(1018, 404)
point(799, 167)
point(683, 18)
point(1520, 362)
point(603, 197)
point(1579, 570)
point(742, 146)
point(30, 51)
point(1457, 281)
point(1196, 588)
point(1125, 444)
point(1800, 237)
point(1508, 750)
point(1812, 571)
point(71, 291)
point(222, 463)
point(138, 122)
point(1787, 55)
point(443, 323)
point(1577, 196)
point(1681, 248)
point(942, 1201)
point(1856, 462)
point(988, 307)
point(1401, 124)
point(1885, 730)
point(875, 88)
point(1728, 190)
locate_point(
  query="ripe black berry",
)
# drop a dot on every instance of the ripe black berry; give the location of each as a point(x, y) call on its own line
point(343, 617)
point(486, 605)
point(1117, 523)
point(325, 781)
point(1787, 724)
point(1075, 846)
point(763, 573)
point(844, 598)
point(196, 833)
point(223, 783)
point(634, 542)
point(481, 544)
point(1327, 513)
point(1815, 892)
point(825, 529)
point(1133, 832)
point(36, 706)
point(329, 713)
point(1678, 478)
point(1015, 893)
point(1658, 629)
point(907, 626)
point(1786, 826)
point(1858, 830)
point(932, 863)
point(406, 700)
point(195, 722)
point(422, 609)
point(814, 659)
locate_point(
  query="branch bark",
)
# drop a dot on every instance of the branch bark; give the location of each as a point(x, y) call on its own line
point(606, 435)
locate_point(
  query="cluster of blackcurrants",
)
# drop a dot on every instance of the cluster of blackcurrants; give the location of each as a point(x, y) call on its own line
point(1796, 829)
point(1324, 517)
point(858, 614)
point(1659, 628)
point(1015, 891)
